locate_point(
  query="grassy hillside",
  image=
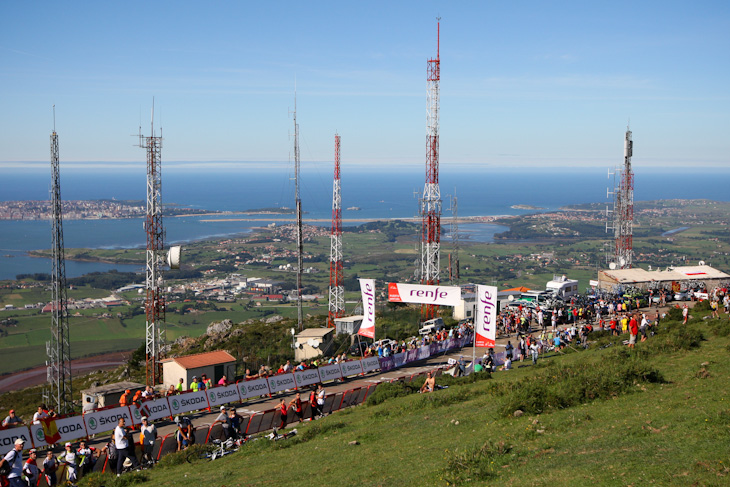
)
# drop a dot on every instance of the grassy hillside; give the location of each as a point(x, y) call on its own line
point(606, 416)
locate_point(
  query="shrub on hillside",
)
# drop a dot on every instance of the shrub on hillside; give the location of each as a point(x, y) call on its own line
point(675, 314)
point(98, 479)
point(388, 390)
point(678, 337)
point(720, 328)
point(477, 463)
point(702, 306)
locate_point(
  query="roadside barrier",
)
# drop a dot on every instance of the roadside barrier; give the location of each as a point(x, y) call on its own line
point(76, 427)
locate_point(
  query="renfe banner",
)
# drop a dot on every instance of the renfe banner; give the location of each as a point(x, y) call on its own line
point(70, 428)
point(417, 293)
point(8, 437)
point(367, 328)
point(485, 321)
point(106, 419)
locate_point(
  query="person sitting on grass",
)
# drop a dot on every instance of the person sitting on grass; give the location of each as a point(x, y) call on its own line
point(429, 385)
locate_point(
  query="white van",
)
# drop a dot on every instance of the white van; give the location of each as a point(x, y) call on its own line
point(431, 326)
point(563, 287)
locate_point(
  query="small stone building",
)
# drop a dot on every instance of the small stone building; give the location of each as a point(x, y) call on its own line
point(107, 395)
point(313, 342)
point(213, 364)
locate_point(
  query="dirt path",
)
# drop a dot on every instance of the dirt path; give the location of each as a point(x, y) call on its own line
point(37, 375)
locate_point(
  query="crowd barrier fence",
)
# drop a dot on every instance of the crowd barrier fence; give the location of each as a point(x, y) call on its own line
point(76, 427)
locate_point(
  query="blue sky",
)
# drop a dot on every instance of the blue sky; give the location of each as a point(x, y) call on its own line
point(544, 84)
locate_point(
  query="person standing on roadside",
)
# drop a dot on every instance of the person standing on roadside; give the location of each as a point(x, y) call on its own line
point(14, 458)
point(122, 445)
point(685, 314)
point(147, 438)
point(633, 331)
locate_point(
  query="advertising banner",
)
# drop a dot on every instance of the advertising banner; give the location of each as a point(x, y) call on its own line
point(154, 409)
point(412, 355)
point(424, 352)
point(106, 419)
point(351, 367)
point(186, 402)
point(330, 372)
point(217, 396)
point(281, 382)
point(418, 293)
point(68, 429)
point(387, 363)
point(398, 359)
point(367, 328)
point(485, 320)
point(307, 377)
point(369, 364)
point(8, 437)
point(253, 388)
point(435, 348)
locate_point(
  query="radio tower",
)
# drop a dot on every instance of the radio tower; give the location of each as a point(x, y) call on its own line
point(300, 238)
point(454, 263)
point(337, 290)
point(59, 347)
point(154, 305)
point(623, 210)
point(431, 201)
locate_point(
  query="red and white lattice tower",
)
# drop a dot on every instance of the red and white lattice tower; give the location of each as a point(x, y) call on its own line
point(623, 210)
point(431, 201)
point(155, 299)
point(337, 289)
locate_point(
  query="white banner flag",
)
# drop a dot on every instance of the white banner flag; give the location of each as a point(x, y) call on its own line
point(422, 294)
point(281, 382)
point(367, 328)
point(330, 372)
point(369, 364)
point(306, 377)
point(351, 367)
point(485, 321)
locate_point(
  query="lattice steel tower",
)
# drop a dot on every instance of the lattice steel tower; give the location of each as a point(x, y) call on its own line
point(337, 289)
point(59, 347)
point(154, 305)
point(300, 236)
point(431, 201)
point(623, 210)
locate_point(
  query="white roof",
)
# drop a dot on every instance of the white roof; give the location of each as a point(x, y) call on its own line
point(637, 274)
point(349, 319)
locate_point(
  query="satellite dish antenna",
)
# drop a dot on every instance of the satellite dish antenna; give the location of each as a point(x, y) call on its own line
point(173, 257)
point(292, 331)
point(510, 298)
point(612, 266)
point(649, 267)
point(622, 261)
point(702, 262)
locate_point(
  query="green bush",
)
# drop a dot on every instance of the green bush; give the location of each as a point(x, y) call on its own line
point(191, 454)
point(720, 328)
point(476, 463)
point(388, 390)
point(702, 306)
point(98, 479)
point(676, 338)
point(675, 314)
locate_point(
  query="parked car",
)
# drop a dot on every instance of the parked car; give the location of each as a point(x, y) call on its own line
point(358, 349)
point(681, 296)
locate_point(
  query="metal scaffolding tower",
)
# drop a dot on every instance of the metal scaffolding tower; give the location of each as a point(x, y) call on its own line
point(337, 289)
point(431, 200)
point(59, 347)
point(300, 237)
point(154, 306)
point(622, 221)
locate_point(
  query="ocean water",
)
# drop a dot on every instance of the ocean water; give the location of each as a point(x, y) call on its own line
point(379, 192)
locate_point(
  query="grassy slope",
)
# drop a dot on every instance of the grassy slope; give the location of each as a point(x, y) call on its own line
point(671, 433)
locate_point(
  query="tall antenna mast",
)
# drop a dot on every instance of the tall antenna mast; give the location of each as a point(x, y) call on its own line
point(59, 347)
point(300, 238)
point(337, 289)
point(623, 209)
point(431, 201)
point(154, 299)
